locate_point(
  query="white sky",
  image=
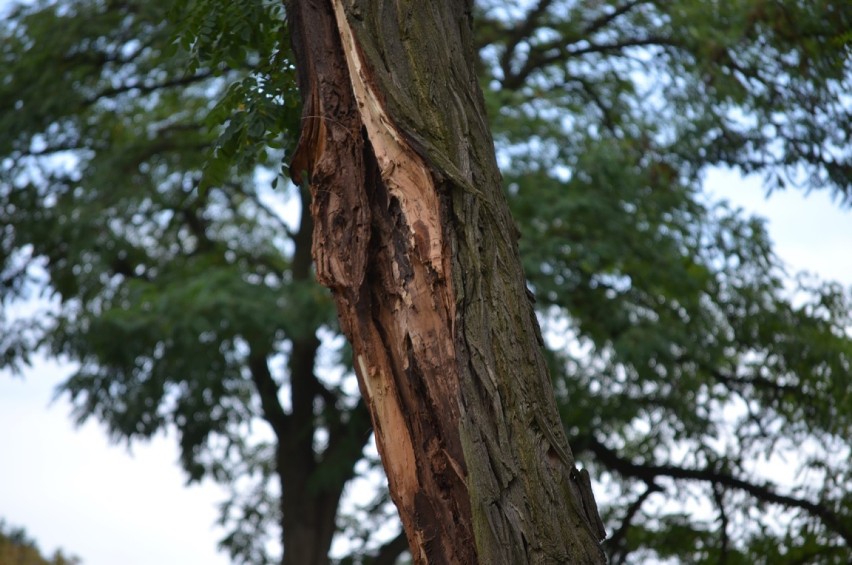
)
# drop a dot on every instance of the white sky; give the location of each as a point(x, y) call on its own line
point(810, 232)
point(71, 489)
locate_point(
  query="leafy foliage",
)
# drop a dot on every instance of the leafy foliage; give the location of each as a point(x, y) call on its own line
point(166, 294)
point(692, 356)
point(261, 109)
point(685, 359)
point(18, 549)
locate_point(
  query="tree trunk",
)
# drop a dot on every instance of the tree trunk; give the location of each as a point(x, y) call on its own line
point(413, 236)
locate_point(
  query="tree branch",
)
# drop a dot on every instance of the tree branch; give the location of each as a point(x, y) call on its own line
point(719, 497)
point(649, 473)
point(618, 552)
point(147, 88)
point(555, 51)
point(605, 19)
point(304, 385)
point(519, 33)
point(198, 227)
point(606, 112)
point(255, 199)
point(759, 382)
point(267, 390)
point(346, 440)
point(526, 28)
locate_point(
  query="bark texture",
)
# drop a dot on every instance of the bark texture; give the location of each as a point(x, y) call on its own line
point(414, 238)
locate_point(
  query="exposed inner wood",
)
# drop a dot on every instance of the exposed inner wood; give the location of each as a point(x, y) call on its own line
point(394, 248)
point(398, 312)
point(403, 172)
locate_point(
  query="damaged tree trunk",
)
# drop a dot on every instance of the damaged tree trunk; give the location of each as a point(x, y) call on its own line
point(413, 236)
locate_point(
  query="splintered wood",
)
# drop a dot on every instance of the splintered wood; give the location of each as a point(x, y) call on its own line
point(403, 172)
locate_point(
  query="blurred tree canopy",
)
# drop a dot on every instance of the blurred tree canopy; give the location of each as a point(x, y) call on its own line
point(16, 548)
point(140, 147)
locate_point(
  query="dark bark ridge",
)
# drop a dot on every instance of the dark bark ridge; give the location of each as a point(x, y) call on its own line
point(413, 236)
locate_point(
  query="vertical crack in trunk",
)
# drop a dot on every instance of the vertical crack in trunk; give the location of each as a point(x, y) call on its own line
point(409, 212)
point(410, 379)
point(379, 245)
point(402, 170)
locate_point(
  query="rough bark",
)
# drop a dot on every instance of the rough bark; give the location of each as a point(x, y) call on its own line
point(413, 236)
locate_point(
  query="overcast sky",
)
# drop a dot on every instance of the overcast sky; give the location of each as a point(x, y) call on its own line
point(71, 489)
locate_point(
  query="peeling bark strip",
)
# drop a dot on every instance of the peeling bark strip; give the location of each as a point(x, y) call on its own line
point(378, 244)
point(413, 236)
point(402, 171)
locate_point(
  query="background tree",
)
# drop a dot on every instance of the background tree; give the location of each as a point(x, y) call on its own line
point(680, 353)
point(693, 363)
point(18, 549)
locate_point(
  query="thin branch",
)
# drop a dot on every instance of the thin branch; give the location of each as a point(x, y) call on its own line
point(616, 541)
point(605, 19)
point(758, 382)
point(555, 51)
point(198, 226)
point(102, 58)
point(147, 88)
point(719, 497)
point(346, 440)
point(267, 390)
point(520, 32)
point(304, 384)
point(606, 112)
point(650, 41)
point(19, 154)
point(649, 473)
point(255, 199)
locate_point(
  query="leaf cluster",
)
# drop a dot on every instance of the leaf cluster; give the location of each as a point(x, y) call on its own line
point(257, 115)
